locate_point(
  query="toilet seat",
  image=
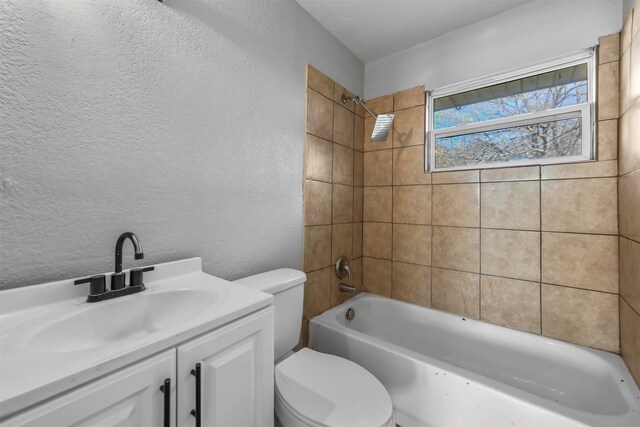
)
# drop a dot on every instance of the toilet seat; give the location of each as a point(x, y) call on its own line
point(323, 390)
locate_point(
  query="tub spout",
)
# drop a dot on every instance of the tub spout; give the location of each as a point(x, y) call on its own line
point(349, 289)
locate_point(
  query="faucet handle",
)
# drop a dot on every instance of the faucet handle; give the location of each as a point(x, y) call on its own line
point(118, 281)
point(96, 284)
point(342, 267)
point(136, 274)
point(347, 269)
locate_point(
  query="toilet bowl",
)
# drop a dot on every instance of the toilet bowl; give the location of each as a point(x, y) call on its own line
point(312, 388)
point(317, 389)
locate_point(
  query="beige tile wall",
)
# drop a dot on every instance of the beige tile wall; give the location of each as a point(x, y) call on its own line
point(629, 193)
point(333, 193)
point(532, 248)
point(397, 203)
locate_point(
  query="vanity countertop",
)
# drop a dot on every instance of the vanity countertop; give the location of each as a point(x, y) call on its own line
point(52, 340)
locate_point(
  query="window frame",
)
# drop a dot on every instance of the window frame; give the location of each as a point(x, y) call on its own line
point(585, 111)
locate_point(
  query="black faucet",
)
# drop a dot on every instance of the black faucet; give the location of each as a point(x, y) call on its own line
point(117, 279)
point(97, 291)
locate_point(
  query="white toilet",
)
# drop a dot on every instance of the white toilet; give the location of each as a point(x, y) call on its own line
point(313, 388)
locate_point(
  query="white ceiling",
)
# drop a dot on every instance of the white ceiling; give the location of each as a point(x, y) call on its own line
point(372, 29)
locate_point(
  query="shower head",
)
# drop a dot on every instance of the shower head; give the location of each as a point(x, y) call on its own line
point(383, 121)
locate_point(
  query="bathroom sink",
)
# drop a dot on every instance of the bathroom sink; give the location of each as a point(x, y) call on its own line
point(125, 319)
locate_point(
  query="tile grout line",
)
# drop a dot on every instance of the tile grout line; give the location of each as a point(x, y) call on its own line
point(628, 173)
point(630, 306)
point(332, 193)
point(480, 247)
point(393, 97)
point(491, 275)
point(577, 178)
point(353, 176)
point(431, 225)
point(618, 122)
point(353, 191)
point(540, 213)
point(319, 93)
point(362, 208)
point(629, 238)
point(510, 229)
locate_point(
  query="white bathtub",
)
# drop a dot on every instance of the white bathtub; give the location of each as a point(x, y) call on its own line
point(443, 370)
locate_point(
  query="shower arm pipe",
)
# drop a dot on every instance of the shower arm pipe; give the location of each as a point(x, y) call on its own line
point(358, 101)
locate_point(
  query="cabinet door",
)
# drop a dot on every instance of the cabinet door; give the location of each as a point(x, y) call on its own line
point(130, 397)
point(236, 374)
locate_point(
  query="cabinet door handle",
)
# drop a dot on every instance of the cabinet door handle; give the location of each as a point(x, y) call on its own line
point(197, 413)
point(166, 390)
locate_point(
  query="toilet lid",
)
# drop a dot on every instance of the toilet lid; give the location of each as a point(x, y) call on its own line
point(332, 391)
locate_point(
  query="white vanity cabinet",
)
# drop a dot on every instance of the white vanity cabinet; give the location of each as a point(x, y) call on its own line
point(129, 397)
point(235, 366)
point(236, 385)
point(67, 362)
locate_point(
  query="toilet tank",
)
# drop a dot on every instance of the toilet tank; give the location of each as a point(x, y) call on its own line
point(287, 287)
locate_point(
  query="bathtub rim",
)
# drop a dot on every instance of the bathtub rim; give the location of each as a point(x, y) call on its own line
point(614, 362)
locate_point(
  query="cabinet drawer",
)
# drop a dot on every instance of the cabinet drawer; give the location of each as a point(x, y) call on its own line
point(129, 397)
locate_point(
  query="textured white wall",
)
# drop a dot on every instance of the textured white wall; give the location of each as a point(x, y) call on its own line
point(182, 122)
point(530, 33)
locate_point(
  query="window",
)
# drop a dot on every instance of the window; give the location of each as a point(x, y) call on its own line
point(537, 116)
